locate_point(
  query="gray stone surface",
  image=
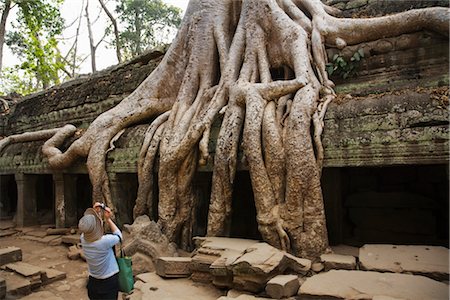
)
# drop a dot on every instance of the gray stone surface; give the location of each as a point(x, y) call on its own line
point(430, 261)
point(41, 296)
point(10, 255)
point(152, 286)
point(337, 261)
point(173, 266)
point(342, 284)
point(282, 286)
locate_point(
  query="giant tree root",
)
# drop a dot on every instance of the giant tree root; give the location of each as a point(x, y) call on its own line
point(223, 60)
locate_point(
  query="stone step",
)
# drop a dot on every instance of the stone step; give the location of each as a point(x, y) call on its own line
point(10, 255)
point(16, 284)
point(430, 261)
point(343, 284)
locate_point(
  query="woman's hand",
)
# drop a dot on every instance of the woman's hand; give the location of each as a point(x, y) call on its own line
point(107, 212)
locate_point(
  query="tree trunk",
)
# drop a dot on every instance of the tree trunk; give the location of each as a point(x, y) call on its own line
point(3, 28)
point(91, 39)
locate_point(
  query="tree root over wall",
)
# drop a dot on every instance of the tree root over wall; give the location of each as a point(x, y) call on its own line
point(261, 63)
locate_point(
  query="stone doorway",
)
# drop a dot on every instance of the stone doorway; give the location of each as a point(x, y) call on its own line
point(395, 205)
point(8, 197)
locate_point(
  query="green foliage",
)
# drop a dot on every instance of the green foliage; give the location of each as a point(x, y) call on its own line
point(15, 80)
point(146, 23)
point(33, 40)
point(339, 66)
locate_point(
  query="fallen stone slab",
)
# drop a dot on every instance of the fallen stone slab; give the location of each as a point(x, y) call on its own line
point(7, 232)
point(430, 261)
point(10, 255)
point(337, 261)
point(23, 269)
point(72, 239)
point(58, 231)
point(282, 286)
point(52, 275)
point(37, 233)
point(173, 267)
point(209, 250)
point(343, 284)
point(260, 263)
point(30, 238)
point(17, 285)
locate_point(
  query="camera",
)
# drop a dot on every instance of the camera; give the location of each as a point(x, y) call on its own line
point(102, 206)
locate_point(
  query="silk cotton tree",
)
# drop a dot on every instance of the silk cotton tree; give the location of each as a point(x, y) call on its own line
point(221, 62)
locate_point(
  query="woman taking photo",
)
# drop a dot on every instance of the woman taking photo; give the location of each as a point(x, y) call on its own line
point(99, 252)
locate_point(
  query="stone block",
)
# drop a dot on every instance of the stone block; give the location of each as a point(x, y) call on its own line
point(73, 239)
point(337, 261)
point(343, 284)
point(55, 242)
point(17, 285)
point(173, 266)
point(430, 261)
point(10, 255)
point(317, 267)
point(282, 286)
point(52, 275)
point(74, 252)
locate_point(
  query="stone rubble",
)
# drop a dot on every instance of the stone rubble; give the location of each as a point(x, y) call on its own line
point(18, 278)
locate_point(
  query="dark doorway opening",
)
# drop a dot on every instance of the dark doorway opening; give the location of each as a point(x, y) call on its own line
point(395, 205)
point(45, 199)
point(126, 186)
point(82, 198)
point(243, 217)
point(8, 197)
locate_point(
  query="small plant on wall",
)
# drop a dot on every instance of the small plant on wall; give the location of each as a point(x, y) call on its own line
point(341, 67)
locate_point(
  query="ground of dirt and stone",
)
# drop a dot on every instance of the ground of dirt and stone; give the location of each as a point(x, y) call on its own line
point(42, 262)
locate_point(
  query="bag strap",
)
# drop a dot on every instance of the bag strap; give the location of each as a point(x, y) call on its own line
point(121, 246)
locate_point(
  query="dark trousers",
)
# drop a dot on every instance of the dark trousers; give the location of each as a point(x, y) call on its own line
point(103, 289)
